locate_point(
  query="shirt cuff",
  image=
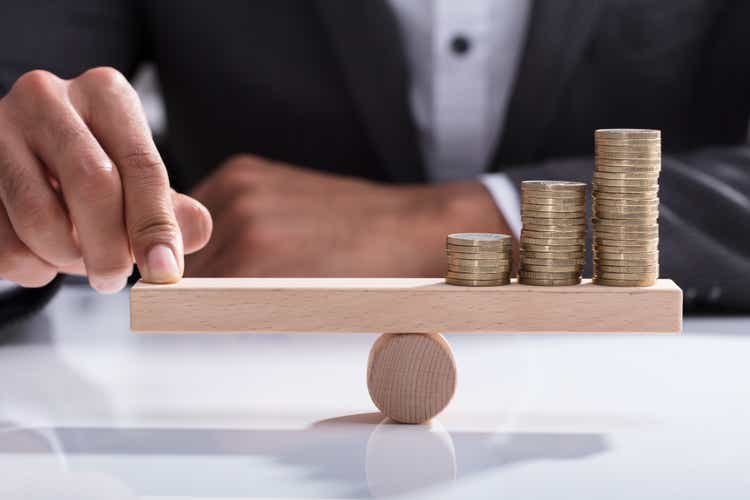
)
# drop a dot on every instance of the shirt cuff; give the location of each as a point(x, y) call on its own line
point(505, 195)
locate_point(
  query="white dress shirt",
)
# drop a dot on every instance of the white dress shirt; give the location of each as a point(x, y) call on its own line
point(463, 56)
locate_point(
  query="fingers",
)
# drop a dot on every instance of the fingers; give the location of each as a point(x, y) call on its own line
point(32, 206)
point(194, 220)
point(89, 181)
point(18, 263)
point(87, 141)
point(113, 112)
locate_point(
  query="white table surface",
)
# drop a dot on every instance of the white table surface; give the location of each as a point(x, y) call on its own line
point(89, 410)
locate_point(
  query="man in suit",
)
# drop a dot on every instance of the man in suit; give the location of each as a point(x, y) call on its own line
point(333, 137)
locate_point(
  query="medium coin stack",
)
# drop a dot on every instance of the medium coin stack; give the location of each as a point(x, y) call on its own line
point(626, 207)
point(478, 259)
point(554, 232)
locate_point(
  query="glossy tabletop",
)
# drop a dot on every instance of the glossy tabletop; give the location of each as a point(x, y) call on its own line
point(89, 410)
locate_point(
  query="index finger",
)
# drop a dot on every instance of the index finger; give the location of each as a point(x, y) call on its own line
point(113, 112)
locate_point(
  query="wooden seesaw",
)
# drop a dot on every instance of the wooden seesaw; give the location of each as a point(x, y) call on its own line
point(411, 373)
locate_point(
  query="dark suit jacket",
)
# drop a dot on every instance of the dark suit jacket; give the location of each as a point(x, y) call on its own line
point(323, 83)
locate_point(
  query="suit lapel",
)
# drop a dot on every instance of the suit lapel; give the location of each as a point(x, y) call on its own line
point(366, 40)
point(558, 34)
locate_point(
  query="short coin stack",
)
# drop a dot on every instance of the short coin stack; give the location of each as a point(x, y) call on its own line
point(626, 207)
point(478, 259)
point(554, 232)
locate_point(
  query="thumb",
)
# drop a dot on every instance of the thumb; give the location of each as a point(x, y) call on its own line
point(194, 220)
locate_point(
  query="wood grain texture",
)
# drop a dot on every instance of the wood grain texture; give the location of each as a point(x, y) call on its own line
point(412, 376)
point(386, 305)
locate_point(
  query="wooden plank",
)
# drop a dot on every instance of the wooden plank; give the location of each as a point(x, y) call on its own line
point(399, 305)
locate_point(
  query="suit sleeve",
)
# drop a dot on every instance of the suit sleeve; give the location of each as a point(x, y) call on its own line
point(704, 222)
point(67, 38)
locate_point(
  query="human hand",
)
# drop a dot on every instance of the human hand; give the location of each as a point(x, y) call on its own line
point(83, 187)
point(274, 219)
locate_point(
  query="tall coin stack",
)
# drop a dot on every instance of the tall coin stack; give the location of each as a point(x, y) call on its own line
point(626, 207)
point(478, 259)
point(554, 232)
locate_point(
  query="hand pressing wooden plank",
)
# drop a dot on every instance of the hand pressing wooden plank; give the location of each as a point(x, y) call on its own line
point(422, 305)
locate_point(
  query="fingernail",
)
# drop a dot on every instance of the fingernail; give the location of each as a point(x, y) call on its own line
point(161, 265)
point(108, 285)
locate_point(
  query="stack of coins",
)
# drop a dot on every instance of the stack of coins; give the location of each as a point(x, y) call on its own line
point(626, 207)
point(554, 232)
point(478, 259)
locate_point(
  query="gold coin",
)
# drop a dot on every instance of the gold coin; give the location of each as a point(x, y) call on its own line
point(616, 152)
point(637, 196)
point(477, 248)
point(647, 163)
point(540, 282)
point(625, 235)
point(606, 169)
point(618, 215)
point(577, 268)
point(627, 146)
point(626, 209)
point(625, 187)
point(531, 247)
point(477, 276)
point(621, 215)
point(614, 233)
point(484, 267)
point(627, 133)
point(625, 283)
point(610, 155)
point(623, 199)
point(478, 272)
point(552, 241)
point(527, 254)
point(615, 240)
point(624, 225)
point(553, 185)
point(562, 196)
point(629, 262)
point(643, 203)
point(615, 237)
point(619, 263)
point(554, 228)
point(599, 249)
point(578, 233)
point(549, 282)
point(645, 192)
point(625, 176)
point(579, 209)
point(624, 241)
point(454, 281)
point(628, 253)
point(552, 215)
point(613, 141)
point(646, 183)
point(542, 221)
point(629, 224)
point(624, 276)
point(457, 261)
point(480, 239)
point(476, 255)
point(613, 258)
point(651, 182)
point(557, 202)
point(549, 275)
point(552, 262)
point(627, 269)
